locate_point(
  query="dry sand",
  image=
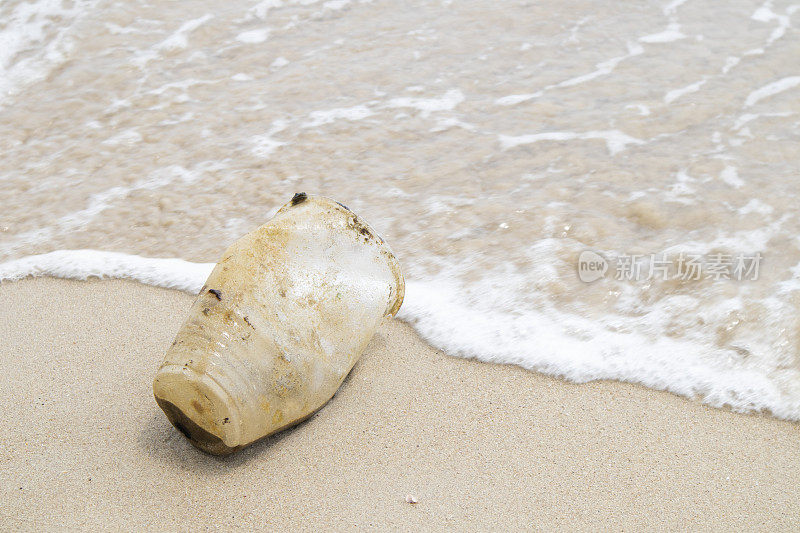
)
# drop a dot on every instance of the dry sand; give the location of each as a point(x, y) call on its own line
point(84, 445)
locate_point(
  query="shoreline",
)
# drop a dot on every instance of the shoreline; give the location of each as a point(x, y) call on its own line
point(453, 326)
point(478, 444)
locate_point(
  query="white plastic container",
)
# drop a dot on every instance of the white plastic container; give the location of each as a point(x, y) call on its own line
point(280, 322)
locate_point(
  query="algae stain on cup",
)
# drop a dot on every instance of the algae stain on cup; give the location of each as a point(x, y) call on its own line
point(591, 266)
point(279, 324)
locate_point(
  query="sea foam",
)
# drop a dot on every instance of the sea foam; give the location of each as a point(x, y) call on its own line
point(84, 264)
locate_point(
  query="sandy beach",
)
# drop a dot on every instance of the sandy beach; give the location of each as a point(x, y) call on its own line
point(480, 446)
point(585, 199)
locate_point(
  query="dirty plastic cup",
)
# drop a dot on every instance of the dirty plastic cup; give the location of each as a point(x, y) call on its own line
point(280, 322)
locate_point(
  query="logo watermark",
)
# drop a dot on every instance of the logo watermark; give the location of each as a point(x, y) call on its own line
point(591, 266)
point(685, 267)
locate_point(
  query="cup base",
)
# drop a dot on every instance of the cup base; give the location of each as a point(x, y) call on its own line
point(199, 437)
point(199, 408)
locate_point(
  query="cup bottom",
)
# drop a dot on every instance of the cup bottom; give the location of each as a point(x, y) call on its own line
point(199, 408)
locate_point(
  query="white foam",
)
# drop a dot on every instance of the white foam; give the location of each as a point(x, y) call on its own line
point(681, 191)
point(514, 99)
point(674, 94)
point(671, 8)
point(771, 89)
point(128, 136)
point(755, 206)
point(730, 176)
point(765, 14)
point(755, 240)
point(446, 102)
point(253, 36)
point(261, 9)
point(335, 5)
point(445, 124)
point(180, 38)
point(603, 68)
point(730, 62)
point(264, 145)
point(180, 85)
point(85, 264)
point(616, 141)
point(672, 33)
point(327, 116)
point(792, 284)
point(746, 118)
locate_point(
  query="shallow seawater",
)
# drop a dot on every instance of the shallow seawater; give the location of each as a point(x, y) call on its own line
point(490, 143)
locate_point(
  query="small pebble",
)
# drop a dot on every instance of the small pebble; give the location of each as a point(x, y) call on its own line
point(411, 499)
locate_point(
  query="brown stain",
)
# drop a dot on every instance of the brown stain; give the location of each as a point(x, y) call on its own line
point(363, 228)
point(360, 227)
point(197, 406)
point(264, 404)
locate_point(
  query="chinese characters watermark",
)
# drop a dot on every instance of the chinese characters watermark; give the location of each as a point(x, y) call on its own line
point(684, 266)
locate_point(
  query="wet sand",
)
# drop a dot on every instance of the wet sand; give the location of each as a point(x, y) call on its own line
point(491, 446)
